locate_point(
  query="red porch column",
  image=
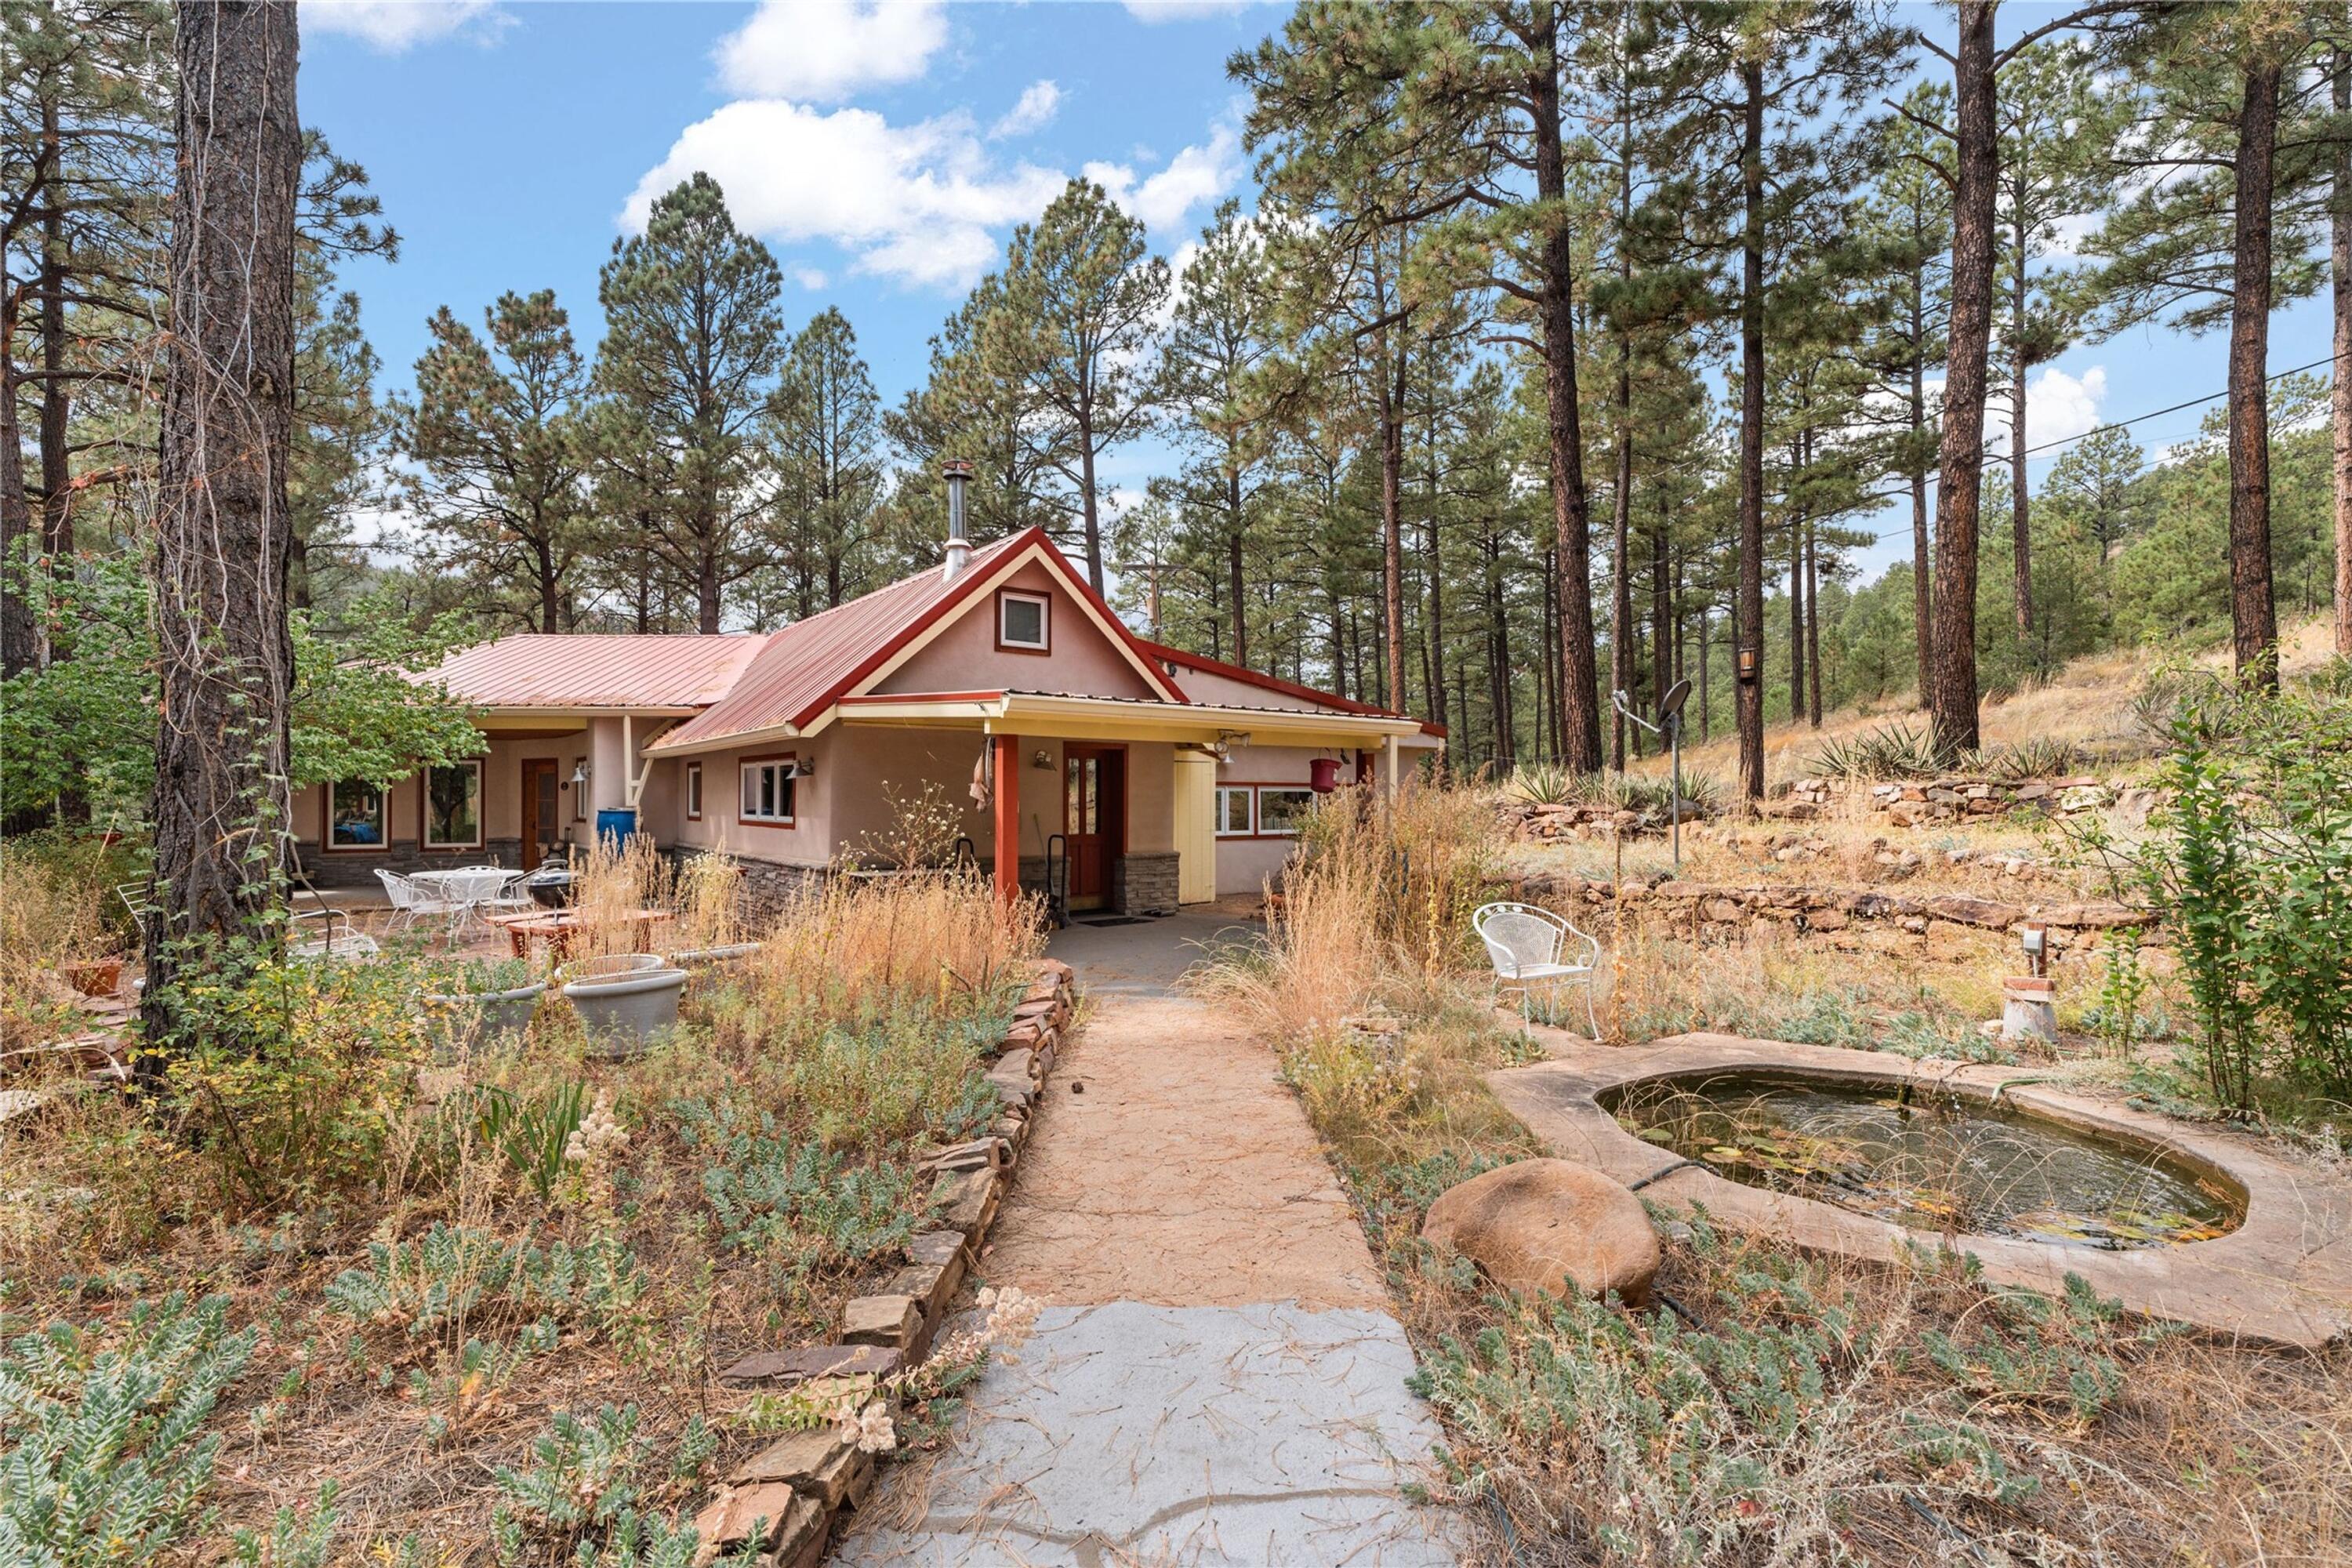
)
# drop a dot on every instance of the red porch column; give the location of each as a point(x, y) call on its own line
point(1008, 817)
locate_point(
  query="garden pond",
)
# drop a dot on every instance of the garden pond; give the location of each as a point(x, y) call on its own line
point(1931, 1162)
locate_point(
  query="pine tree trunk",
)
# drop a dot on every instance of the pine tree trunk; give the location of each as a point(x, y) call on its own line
point(1812, 627)
point(1086, 500)
point(16, 630)
point(2253, 620)
point(1233, 562)
point(1393, 526)
point(1952, 695)
point(2020, 495)
point(2340, 393)
point(1796, 616)
point(1748, 617)
point(222, 807)
point(1572, 515)
point(1706, 710)
point(1661, 627)
point(1923, 568)
point(1621, 525)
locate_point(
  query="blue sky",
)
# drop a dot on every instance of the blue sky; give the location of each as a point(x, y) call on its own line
point(884, 153)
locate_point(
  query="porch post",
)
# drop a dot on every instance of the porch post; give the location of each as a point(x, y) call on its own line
point(1389, 756)
point(1008, 817)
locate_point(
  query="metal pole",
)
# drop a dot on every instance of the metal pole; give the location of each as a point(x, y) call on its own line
point(1674, 806)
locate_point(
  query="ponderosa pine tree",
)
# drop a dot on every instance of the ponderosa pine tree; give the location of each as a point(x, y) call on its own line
point(1761, 105)
point(2056, 119)
point(224, 530)
point(826, 425)
point(2232, 149)
point(1079, 327)
point(692, 343)
point(498, 434)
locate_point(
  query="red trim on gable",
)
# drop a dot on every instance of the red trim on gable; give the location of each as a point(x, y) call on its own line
point(959, 598)
point(880, 697)
point(1276, 683)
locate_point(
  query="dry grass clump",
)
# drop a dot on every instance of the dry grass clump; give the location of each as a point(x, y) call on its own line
point(1382, 889)
point(56, 908)
point(851, 946)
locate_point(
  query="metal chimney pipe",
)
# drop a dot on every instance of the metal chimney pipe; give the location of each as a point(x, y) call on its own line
point(957, 471)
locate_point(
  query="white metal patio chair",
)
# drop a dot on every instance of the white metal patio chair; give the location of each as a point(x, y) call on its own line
point(337, 943)
point(1530, 948)
point(411, 901)
point(510, 897)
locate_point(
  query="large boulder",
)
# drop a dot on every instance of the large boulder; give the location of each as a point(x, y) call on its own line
point(1539, 1224)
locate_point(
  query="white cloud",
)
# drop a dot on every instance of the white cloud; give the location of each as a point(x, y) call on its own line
point(809, 277)
point(825, 50)
point(1195, 176)
point(392, 26)
point(2059, 407)
point(1039, 102)
point(1151, 13)
point(920, 203)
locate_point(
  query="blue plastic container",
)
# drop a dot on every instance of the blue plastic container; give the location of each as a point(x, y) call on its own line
point(616, 825)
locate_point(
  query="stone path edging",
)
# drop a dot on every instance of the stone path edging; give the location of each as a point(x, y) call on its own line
point(789, 1492)
point(2283, 1277)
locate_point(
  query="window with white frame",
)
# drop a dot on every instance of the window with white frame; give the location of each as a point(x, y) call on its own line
point(1023, 621)
point(1283, 808)
point(694, 792)
point(768, 791)
point(453, 805)
point(1233, 810)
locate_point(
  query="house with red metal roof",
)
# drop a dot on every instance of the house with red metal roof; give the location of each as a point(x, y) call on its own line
point(1131, 775)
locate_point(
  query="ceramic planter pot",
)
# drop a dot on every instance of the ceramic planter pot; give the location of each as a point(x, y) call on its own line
point(95, 976)
point(625, 1001)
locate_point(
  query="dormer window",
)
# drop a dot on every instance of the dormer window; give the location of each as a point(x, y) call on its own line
point(1023, 621)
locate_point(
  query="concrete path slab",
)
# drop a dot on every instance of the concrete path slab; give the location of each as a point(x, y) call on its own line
point(1219, 1378)
point(1134, 1434)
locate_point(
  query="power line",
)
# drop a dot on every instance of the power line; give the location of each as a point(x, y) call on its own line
point(2094, 430)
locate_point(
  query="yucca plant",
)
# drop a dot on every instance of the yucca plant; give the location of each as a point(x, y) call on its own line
point(1892, 751)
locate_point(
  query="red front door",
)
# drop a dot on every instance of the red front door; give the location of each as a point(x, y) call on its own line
point(540, 807)
point(1094, 818)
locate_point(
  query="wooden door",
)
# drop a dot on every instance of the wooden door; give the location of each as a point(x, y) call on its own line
point(542, 808)
point(1094, 819)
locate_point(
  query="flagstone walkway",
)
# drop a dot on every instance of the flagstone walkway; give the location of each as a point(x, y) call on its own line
point(1218, 1378)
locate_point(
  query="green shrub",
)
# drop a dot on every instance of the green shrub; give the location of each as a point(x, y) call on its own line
point(1892, 751)
point(2250, 863)
point(805, 1208)
point(531, 1133)
point(106, 1462)
point(581, 1475)
point(456, 1276)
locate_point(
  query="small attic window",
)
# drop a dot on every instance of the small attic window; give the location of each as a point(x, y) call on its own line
point(1023, 621)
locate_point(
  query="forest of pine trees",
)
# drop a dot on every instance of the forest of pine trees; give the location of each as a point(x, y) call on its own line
point(1566, 349)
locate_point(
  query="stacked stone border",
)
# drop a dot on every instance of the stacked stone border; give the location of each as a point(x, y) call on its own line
point(1859, 917)
point(801, 1483)
point(1908, 803)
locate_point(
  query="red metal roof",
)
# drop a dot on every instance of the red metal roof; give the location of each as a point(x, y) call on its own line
point(810, 665)
point(572, 669)
point(1259, 679)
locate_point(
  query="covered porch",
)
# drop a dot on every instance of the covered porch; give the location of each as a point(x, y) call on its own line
point(1150, 805)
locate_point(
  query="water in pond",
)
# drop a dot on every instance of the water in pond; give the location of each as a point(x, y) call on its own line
point(1949, 1164)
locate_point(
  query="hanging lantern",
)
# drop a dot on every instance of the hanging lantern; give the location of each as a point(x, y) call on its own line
point(1323, 774)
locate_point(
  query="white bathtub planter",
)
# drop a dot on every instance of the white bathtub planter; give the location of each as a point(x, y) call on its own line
point(697, 958)
point(490, 1001)
point(625, 1001)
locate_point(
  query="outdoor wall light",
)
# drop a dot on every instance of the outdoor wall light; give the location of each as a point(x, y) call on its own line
point(1042, 757)
point(579, 774)
point(805, 768)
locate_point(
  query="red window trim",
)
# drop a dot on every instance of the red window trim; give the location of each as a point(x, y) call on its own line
point(1045, 602)
point(742, 762)
point(694, 787)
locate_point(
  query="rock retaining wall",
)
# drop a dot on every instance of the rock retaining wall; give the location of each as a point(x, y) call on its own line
point(1860, 918)
point(1909, 802)
point(1544, 823)
point(789, 1494)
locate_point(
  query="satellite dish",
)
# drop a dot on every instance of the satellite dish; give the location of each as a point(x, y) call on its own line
point(1676, 695)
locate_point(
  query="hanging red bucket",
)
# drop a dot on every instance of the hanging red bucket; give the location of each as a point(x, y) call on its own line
point(1323, 774)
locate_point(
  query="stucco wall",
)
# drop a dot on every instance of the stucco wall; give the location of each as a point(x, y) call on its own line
point(964, 656)
point(1245, 864)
